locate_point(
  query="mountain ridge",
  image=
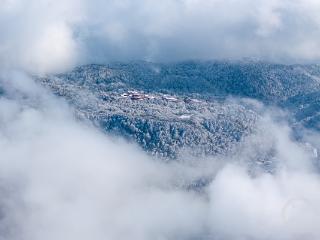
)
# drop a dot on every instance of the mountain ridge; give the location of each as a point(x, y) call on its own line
point(202, 107)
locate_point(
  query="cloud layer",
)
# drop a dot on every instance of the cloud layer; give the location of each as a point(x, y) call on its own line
point(63, 179)
point(51, 35)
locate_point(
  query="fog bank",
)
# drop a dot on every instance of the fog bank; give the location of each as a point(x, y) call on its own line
point(46, 35)
point(63, 179)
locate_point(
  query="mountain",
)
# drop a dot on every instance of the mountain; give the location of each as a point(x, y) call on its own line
point(202, 108)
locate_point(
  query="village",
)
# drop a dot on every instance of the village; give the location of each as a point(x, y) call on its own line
point(139, 96)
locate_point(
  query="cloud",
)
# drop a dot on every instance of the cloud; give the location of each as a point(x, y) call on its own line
point(64, 179)
point(47, 35)
point(178, 30)
point(267, 207)
point(38, 35)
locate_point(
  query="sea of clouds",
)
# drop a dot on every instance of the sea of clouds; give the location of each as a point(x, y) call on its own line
point(61, 178)
point(53, 35)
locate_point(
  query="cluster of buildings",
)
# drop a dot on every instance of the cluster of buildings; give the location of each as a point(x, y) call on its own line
point(139, 96)
point(135, 95)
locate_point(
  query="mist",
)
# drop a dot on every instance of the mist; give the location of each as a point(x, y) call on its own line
point(50, 36)
point(62, 178)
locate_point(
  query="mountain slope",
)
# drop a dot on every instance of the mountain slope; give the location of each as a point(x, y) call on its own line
point(199, 107)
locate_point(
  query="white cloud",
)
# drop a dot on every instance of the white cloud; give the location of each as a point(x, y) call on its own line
point(54, 35)
point(174, 30)
point(63, 179)
point(38, 35)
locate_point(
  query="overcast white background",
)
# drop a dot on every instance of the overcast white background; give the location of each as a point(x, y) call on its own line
point(52, 35)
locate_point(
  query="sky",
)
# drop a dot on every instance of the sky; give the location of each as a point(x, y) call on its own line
point(55, 35)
